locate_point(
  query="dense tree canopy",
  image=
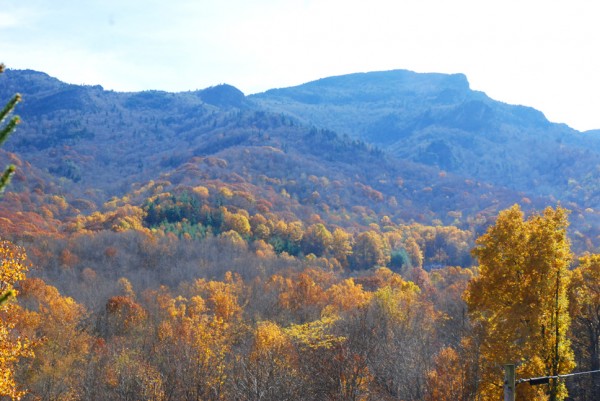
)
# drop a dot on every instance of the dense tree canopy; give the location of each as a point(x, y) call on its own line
point(244, 311)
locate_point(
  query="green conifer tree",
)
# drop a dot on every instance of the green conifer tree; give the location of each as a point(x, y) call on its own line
point(5, 130)
point(10, 170)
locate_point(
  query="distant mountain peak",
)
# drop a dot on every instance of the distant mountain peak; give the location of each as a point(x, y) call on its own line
point(400, 79)
point(392, 81)
point(223, 96)
point(375, 87)
point(437, 120)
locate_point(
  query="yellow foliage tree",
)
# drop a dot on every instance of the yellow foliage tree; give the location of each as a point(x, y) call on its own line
point(519, 301)
point(270, 371)
point(12, 348)
point(370, 249)
point(347, 296)
point(317, 240)
point(195, 337)
point(238, 223)
point(341, 247)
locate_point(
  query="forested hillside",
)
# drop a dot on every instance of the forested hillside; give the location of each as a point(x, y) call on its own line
point(437, 120)
point(310, 243)
point(101, 144)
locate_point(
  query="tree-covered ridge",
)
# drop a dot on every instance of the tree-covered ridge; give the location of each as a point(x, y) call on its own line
point(437, 120)
point(94, 144)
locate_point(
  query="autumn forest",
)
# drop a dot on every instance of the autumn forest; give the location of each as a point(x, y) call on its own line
point(356, 238)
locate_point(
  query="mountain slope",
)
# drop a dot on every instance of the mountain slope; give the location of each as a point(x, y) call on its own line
point(91, 145)
point(436, 119)
point(106, 140)
point(98, 143)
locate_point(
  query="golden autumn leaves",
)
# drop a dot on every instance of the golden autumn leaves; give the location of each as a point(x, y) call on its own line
point(519, 301)
point(314, 333)
point(13, 265)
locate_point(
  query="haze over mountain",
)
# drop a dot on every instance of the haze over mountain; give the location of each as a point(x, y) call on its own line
point(437, 120)
point(412, 146)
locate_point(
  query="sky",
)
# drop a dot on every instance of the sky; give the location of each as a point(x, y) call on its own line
point(542, 54)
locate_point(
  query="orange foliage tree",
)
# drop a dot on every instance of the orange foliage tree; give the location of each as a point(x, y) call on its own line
point(61, 347)
point(447, 381)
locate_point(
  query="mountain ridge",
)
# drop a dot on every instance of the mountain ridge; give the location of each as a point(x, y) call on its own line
point(100, 144)
point(437, 119)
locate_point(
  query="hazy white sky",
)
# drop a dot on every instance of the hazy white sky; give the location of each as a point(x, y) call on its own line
point(542, 54)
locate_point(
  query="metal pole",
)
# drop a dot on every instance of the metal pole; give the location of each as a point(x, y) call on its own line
point(509, 382)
